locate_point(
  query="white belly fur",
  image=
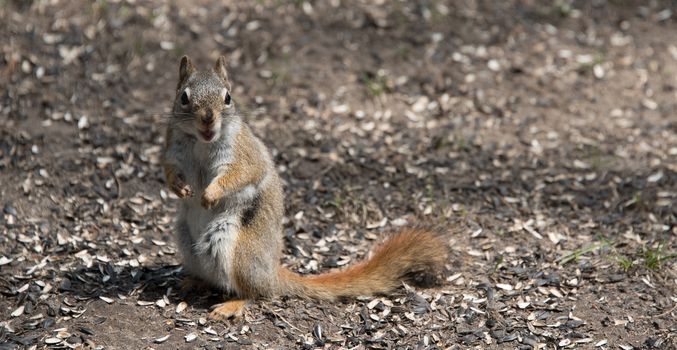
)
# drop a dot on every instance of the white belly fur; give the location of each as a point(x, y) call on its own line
point(208, 253)
point(207, 238)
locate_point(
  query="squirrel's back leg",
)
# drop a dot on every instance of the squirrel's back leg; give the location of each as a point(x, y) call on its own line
point(257, 251)
point(252, 266)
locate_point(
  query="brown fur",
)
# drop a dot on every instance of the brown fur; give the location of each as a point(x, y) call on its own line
point(255, 270)
point(411, 251)
point(247, 169)
point(261, 237)
point(186, 68)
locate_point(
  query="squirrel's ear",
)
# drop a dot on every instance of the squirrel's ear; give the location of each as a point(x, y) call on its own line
point(220, 70)
point(185, 69)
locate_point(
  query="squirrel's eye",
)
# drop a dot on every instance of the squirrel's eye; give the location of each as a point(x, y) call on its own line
point(227, 99)
point(184, 98)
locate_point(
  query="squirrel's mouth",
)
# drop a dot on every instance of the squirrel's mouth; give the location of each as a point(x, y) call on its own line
point(207, 135)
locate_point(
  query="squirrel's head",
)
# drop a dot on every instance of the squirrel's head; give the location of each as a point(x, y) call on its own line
point(203, 105)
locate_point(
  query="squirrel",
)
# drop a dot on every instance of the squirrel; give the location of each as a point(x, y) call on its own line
point(229, 224)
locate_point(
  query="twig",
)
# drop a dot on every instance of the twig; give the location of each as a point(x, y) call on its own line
point(118, 184)
point(660, 315)
point(578, 252)
point(285, 321)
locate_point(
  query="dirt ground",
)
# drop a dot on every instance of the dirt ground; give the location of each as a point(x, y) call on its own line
point(541, 135)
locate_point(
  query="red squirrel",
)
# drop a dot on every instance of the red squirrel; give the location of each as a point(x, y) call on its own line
point(229, 227)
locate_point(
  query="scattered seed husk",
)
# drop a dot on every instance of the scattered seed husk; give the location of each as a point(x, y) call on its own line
point(190, 337)
point(181, 306)
point(162, 339)
point(52, 341)
point(209, 330)
point(505, 134)
point(18, 311)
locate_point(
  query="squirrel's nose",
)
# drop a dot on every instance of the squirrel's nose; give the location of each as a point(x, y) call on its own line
point(209, 117)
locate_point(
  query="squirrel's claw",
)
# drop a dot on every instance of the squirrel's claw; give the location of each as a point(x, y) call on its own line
point(182, 190)
point(178, 185)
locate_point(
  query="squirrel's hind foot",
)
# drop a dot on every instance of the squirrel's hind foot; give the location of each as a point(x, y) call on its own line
point(229, 309)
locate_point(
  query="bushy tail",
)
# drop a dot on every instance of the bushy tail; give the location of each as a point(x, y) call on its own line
point(406, 255)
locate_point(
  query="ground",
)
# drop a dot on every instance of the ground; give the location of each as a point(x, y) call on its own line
point(540, 136)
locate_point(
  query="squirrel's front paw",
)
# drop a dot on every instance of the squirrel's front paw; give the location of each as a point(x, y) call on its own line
point(181, 188)
point(212, 194)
